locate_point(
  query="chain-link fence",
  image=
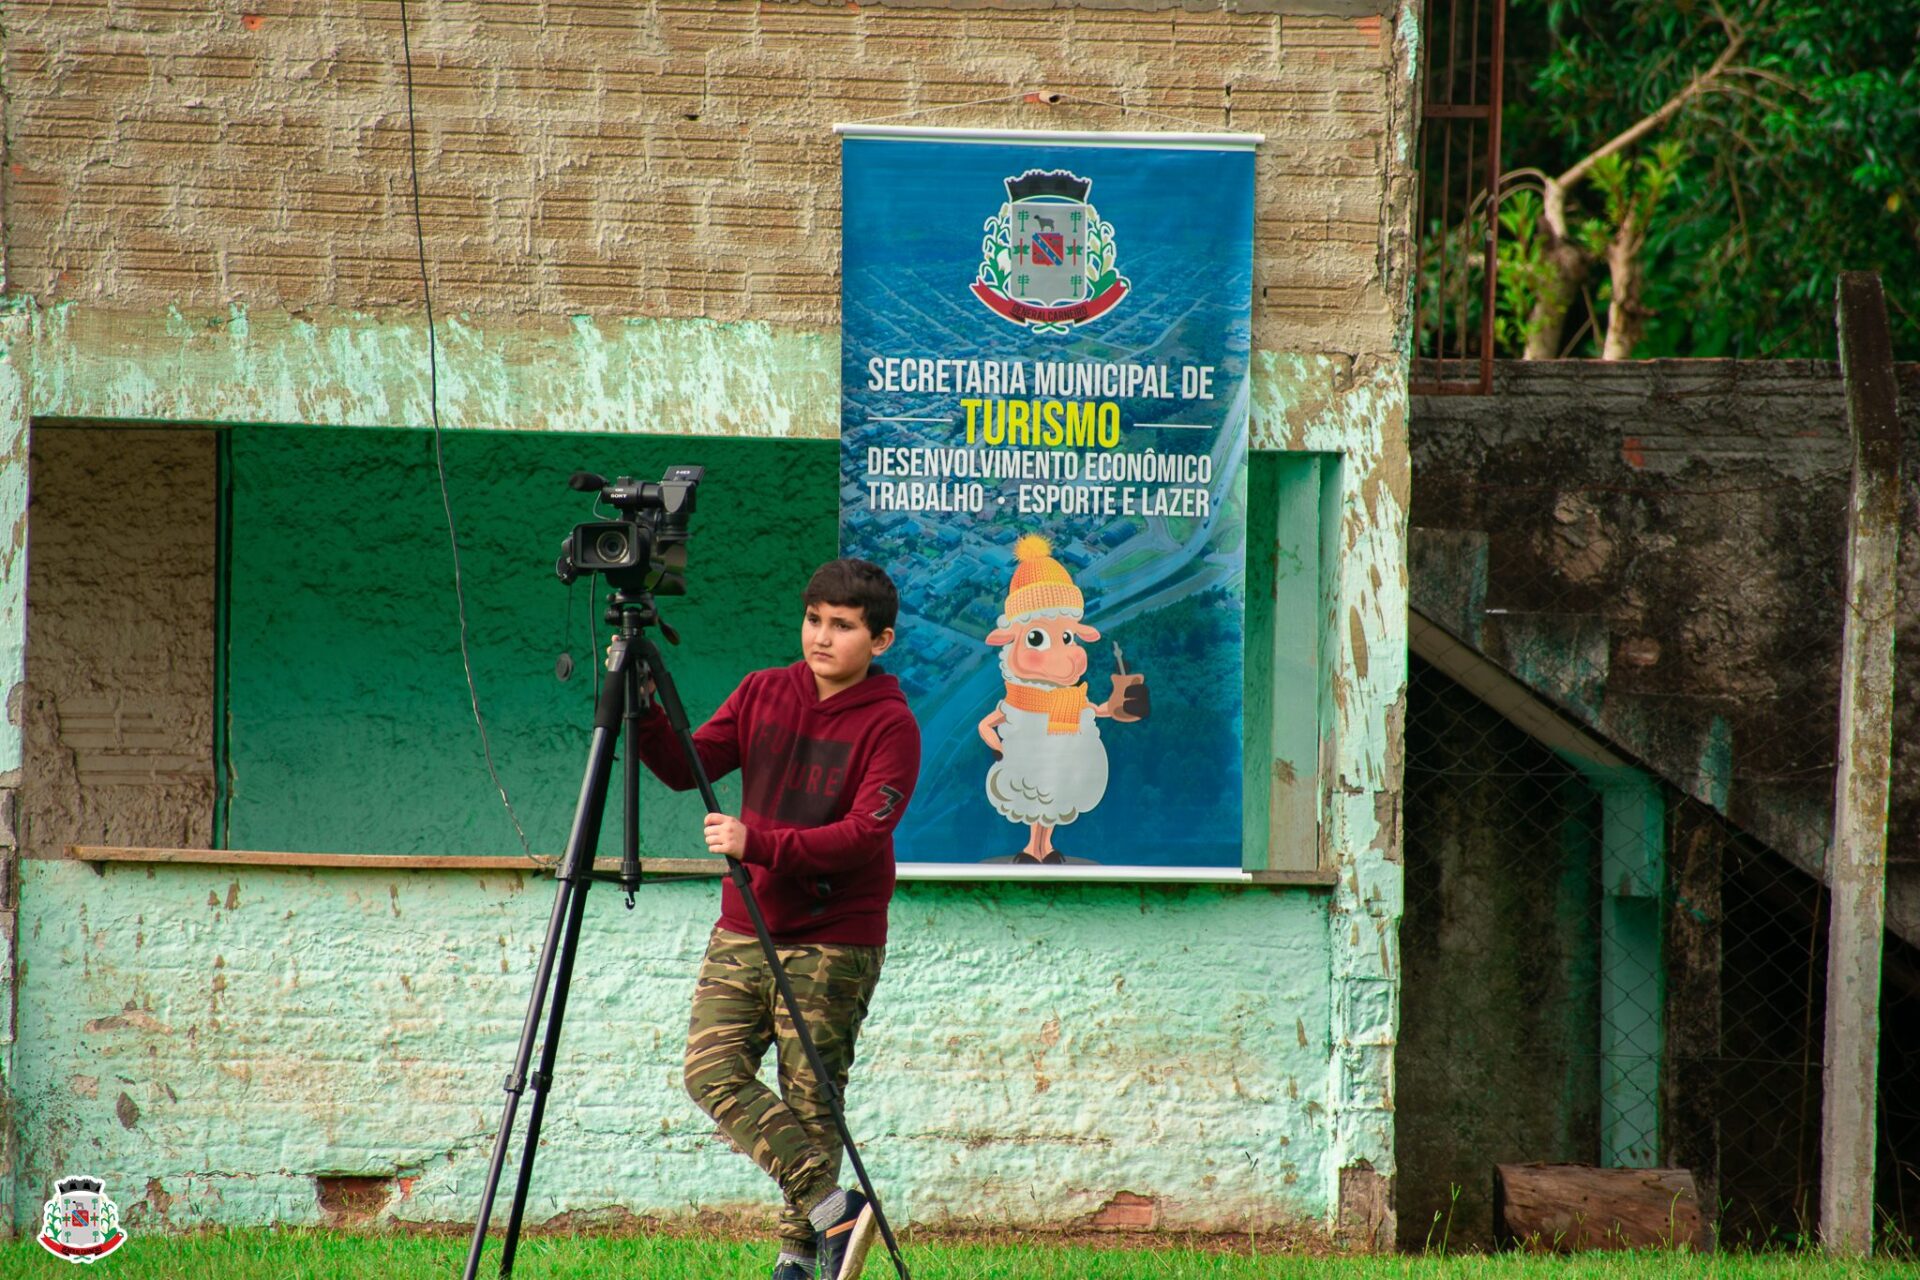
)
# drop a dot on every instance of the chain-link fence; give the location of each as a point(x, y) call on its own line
point(1621, 733)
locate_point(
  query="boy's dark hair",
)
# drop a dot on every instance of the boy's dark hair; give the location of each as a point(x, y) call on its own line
point(859, 584)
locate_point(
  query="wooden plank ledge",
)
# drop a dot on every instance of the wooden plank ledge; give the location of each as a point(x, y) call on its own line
point(100, 854)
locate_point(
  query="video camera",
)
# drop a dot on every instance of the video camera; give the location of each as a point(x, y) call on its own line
point(646, 548)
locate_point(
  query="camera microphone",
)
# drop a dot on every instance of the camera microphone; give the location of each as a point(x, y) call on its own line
point(586, 482)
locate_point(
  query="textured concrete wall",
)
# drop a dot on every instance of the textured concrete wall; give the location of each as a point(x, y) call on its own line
point(632, 218)
point(1562, 519)
point(1300, 985)
point(119, 704)
point(671, 158)
point(1500, 1012)
point(1357, 411)
point(14, 357)
point(212, 1040)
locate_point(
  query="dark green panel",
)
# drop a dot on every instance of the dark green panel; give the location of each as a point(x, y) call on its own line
point(1256, 721)
point(347, 716)
point(1285, 496)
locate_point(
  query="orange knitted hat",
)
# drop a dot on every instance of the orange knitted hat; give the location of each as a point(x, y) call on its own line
point(1040, 581)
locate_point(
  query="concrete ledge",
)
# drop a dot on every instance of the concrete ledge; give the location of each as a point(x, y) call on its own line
point(99, 855)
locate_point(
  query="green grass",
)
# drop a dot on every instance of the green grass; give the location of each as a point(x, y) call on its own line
point(323, 1255)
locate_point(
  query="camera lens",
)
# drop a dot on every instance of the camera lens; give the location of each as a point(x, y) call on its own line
point(611, 547)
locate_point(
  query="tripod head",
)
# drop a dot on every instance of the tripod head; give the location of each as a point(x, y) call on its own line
point(633, 610)
point(634, 666)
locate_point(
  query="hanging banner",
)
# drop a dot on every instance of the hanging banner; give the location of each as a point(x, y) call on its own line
point(1044, 440)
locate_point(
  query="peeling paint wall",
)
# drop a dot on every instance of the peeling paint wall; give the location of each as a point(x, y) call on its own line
point(1358, 410)
point(632, 220)
point(212, 1040)
point(1316, 1087)
point(14, 332)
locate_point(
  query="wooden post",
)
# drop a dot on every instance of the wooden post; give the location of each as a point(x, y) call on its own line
point(1857, 858)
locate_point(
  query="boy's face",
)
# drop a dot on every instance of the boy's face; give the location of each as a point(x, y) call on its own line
point(836, 643)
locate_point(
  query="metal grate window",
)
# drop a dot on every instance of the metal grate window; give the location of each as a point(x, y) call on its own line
point(1457, 233)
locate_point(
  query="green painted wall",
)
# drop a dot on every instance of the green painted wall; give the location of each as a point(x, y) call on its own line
point(350, 728)
point(1287, 625)
point(15, 357)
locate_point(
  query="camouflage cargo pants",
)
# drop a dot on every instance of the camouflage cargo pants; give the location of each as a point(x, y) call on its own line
point(737, 1016)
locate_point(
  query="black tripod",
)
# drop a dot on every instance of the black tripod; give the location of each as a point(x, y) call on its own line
point(633, 659)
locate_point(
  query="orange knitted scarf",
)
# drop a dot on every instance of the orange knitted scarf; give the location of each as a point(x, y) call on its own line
point(1063, 706)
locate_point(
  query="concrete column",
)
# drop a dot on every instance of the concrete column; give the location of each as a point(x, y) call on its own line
point(1857, 862)
point(1632, 978)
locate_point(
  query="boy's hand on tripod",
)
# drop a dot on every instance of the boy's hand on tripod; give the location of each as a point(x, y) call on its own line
point(726, 835)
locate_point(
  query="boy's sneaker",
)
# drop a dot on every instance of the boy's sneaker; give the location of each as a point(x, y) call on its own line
point(788, 1269)
point(841, 1248)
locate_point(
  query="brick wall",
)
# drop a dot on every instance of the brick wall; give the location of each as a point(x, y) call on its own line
point(661, 159)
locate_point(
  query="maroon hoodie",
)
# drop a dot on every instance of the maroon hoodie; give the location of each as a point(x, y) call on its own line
point(824, 785)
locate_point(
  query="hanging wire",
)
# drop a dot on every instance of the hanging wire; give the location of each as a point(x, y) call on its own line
point(439, 458)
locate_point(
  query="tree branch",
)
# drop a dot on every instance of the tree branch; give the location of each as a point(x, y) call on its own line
point(1771, 77)
point(1736, 40)
point(1518, 180)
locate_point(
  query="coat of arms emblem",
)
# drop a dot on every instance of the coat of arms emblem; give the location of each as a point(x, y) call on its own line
point(1047, 258)
point(81, 1223)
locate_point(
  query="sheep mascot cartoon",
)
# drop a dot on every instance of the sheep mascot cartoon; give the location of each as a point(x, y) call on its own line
point(1052, 767)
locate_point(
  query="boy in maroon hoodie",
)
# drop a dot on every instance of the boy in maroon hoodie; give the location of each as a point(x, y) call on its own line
point(828, 754)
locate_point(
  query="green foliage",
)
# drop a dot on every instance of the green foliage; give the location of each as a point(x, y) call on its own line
point(1801, 161)
point(1630, 189)
point(1521, 273)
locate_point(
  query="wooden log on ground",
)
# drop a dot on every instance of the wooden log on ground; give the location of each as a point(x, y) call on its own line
point(1567, 1207)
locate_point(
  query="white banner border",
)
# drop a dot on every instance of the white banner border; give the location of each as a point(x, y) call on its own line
point(1059, 137)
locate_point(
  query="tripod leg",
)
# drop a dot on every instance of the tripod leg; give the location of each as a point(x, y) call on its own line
point(677, 716)
point(569, 949)
point(575, 868)
point(543, 1078)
